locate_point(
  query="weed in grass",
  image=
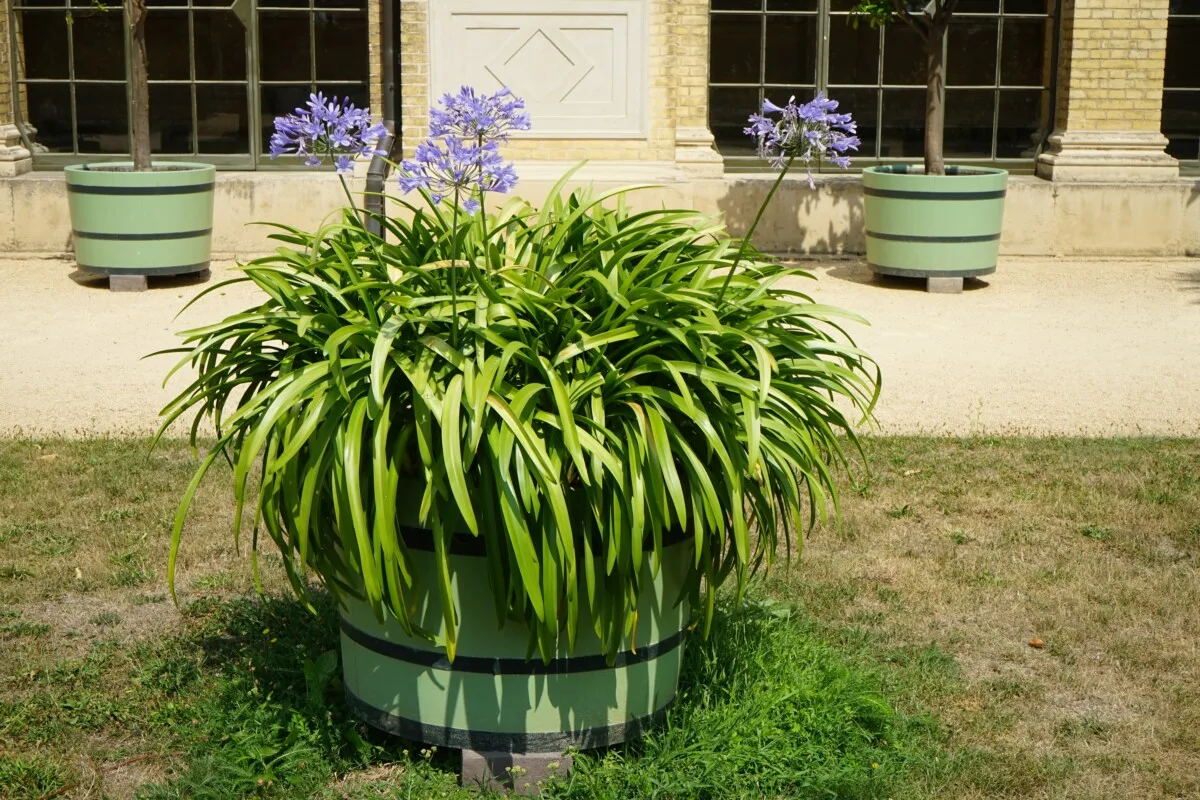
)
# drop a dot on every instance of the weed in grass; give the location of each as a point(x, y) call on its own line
point(115, 515)
point(1098, 533)
point(52, 544)
point(213, 582)
point(147, 599)
point(22, 629)
point(960, 537)
point(12, 572)
point(129, 569)
point(1084, 728)
point(30, 776)
point(106, 619)
point(905, 511)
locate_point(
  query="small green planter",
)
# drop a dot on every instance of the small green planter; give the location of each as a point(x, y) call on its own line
point(141, 223)
point(933, 226)
point(494, 697)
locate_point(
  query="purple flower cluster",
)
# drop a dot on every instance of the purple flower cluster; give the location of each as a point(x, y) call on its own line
point(808, 132)
point(462, 155)
point(327, 129)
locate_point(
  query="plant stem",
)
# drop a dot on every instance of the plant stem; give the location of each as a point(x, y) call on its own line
point(750, 233)
point(349, 197)
point(935, 107)
point(454, 273)
point(139, 78)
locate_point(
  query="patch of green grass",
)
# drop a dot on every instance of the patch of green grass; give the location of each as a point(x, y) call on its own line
point(14, 572)
point(1098, 533)
point(905, 511)
point(115, 515)
point(30, 776)
point(106, 619)
point(960, 537)
point(22, 629)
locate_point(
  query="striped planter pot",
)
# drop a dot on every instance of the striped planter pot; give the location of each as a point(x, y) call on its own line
point(933, 226)
point(492, 698)
point(141, 223)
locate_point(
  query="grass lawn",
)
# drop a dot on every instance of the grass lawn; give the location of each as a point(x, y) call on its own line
point(993, 618)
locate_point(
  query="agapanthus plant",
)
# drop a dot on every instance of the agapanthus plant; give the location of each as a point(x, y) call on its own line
point(328, 129)
point(809, 132)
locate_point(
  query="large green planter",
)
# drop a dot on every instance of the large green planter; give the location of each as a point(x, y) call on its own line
point(933, 226)
point(492, 698)
point(141, 223)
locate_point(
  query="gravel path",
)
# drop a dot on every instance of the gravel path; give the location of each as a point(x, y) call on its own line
point(1041, 347)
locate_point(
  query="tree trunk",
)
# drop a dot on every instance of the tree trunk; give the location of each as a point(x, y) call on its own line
point(935, 107)
point(140, 86)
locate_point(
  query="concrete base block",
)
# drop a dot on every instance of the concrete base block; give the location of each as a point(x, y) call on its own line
point(127, 283)
point(944, 285)
point(521, 773)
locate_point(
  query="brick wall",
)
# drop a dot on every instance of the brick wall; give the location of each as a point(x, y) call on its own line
point(1111, 66)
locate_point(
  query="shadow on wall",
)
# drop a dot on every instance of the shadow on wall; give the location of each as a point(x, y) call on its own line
point(1191, 221)
point(800, 220)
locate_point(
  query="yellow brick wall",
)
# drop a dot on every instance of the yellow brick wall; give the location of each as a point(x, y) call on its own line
point(374, 37)
point(678, 75)
point(6, 95)
point(1111, 66)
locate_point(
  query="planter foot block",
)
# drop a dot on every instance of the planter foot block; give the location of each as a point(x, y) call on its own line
point(520, 773)
point(944, 285)
point(127, 283)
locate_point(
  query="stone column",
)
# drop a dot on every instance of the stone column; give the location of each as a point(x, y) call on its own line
point(1109, 108)
point(14, 158)
point(689, 31)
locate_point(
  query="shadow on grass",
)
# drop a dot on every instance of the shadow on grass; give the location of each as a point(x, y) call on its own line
point(768, 706)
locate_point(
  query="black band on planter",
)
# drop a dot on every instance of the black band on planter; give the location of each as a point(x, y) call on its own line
point(907, 237)
point(141, 237)
point(493, 741)
point(900, 272)
point(182, 269)
point(464, 544)
point(128, 191)
point(507, 666)
point(902, 194)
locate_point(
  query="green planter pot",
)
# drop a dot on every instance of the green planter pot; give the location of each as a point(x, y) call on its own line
point(493, 699)
point(142, 223)
point(933, 226)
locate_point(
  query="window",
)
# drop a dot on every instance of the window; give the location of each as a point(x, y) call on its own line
point(220, 72)
point(1181, 83)
point(998, 76)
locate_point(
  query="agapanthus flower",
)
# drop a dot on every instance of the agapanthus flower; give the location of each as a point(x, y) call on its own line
point(808, 132)
point(462, 157)
point(479, 118)
point(327, 128)
point(447, 166)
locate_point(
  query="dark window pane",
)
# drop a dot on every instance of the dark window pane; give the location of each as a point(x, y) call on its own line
point(49, 107)
point(355, 93)
point(353, 4)
point(853, 52)
point(969, 122)
point(171, 118)
point(1184, 7)
point(862, 104)
point(902, 133)
point(1183, 52)
point(222, 125)
point(284, 46)
point(791, 49)
point(1181, 124)
point(728, 110)
point(735, 43)
point(1022, 127)
point(341, 46)
point(1028, 6)
point(46, 49)
point(903, 57)
point(791, 5)
point(103, 118)
point(166, 3)
point(39, 4)
point(844, 5)
point(1025, 53)
point(978, 7)
point(737, 5)
point(971, 52)
point(277, 101)
point(167, 45)
point(215, 3)
point(220, 46)
point(99, 44)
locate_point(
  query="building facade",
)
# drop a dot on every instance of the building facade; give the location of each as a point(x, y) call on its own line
point(1092, 105)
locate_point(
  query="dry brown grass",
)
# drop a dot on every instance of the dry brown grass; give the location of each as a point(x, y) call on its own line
point(981, 547)
point(976, 546)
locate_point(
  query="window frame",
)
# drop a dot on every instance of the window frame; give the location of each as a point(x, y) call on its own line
point(1187, 166)
point(827, 16)
point(248, 12)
